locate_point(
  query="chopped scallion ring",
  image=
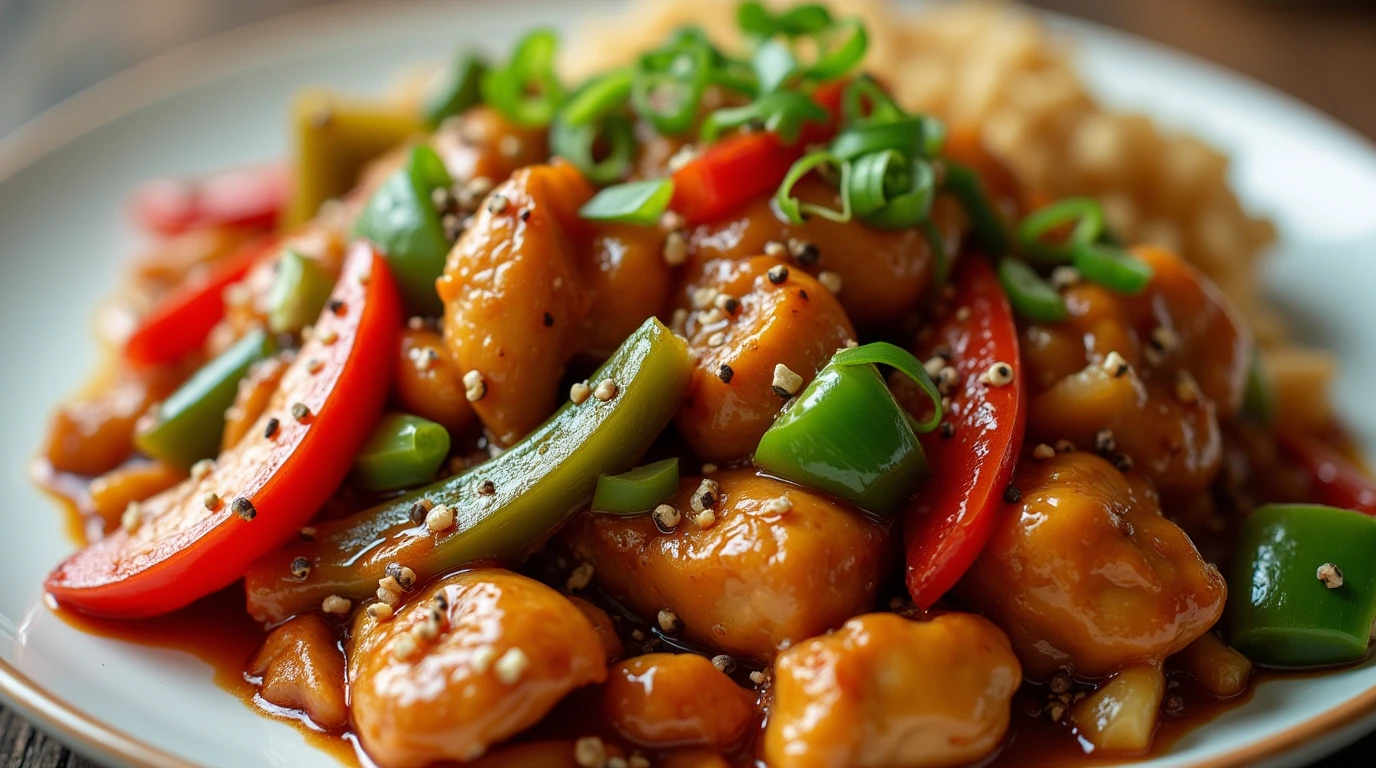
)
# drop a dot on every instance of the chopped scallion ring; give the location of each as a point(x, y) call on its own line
point(916, 136)
point(599, 97)
point(668, 84)
point(455, 90)
point(636, 491)
point(899, 359)
point(1086, 216)
point(795, 210)
point(910, 205)
point(636, 202)
point(527, 90)
point(807, 19)
point(576, 144)
point(1029, 295)
point(881, 107)
point(774, 64)
point(782, 113)
point(1112, 268)
point(843, 56)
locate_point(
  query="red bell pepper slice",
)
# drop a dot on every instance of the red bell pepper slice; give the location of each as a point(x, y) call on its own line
point(1337, 482)
point(182, 551)
point(949, 521)
point(243, 197)
point(741, 168)
point(180, 323)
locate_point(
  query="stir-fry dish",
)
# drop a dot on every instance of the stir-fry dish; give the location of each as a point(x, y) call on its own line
point(714, 409)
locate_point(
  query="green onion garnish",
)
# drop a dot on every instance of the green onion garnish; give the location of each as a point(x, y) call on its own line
point(899, 359)
point(965, 184)
point(843, 56)
point(782, 113)
point(941, 261)
point(807, 19)
point(1259, 399)
point(795, 210)
point(1086, 216)
point(527, 90)
point(916, 136)
point(668, 83)
point(638, 490)
point(598, 97)
point(1112, 268)
point(457, 89)
point(1030, 296)
point(911, 203)
point(577, 144)
point(635, 202)
point(774, 64)
point(881, 107)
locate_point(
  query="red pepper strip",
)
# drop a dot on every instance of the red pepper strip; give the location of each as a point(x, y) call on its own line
point(244, 197)
point(180, 323)
point(1337, 482)
point(286, 468)
point(744, 167)
point(948, 523)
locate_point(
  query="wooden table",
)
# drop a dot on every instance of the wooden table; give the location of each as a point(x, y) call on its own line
point(1321, 52)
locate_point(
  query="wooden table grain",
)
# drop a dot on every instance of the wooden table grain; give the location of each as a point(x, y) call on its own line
point(1322, 52)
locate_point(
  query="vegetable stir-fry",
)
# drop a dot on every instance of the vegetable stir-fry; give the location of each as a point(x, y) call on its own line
point(715, 407)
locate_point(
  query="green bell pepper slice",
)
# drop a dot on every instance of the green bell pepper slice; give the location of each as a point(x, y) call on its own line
point(189, 425)
point(401, 220)
point(455, 90)
point(847, 435)
point(1280, 613)
point(404, 451)
point(299, 292)
point(639, 490)
point(501, 507)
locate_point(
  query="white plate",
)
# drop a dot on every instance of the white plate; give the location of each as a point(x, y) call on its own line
point(223, 102)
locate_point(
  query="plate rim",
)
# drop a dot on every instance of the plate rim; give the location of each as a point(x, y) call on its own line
point(192, 64)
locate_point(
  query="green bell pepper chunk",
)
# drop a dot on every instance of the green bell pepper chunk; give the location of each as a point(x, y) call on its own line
point(846, 435)
point(636, 491)
point(501, 507)
point(189, 425)
point(401, 220)
point(1280, 613)
point(298, 293)
point(404, 451)
point(456, 89)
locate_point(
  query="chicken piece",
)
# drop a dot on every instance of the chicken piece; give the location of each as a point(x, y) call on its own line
point(514, 303)
point(1122, 715)
point(886, 691)
point(1184, 358)
point(112, 492)
point(750, 580)
point(1084, 573)
point(884, 274)
point(481, 143)
point(302, 668)
point(478, 657)
point(95, 434)
point(629, 280)
point(671, 700)
point(611, 642)
point(428, 385)
point(796, 323)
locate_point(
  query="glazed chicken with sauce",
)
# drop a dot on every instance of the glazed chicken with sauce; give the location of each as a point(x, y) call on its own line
point(699, 416)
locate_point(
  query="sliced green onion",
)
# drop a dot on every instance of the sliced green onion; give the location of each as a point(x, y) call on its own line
point(577, 144)
point(668, 83)
point(876, 177)
point(796, 211)
point(403, 451)
point(1030, 296)
point(598, 97)
point(988, 229)
point(1084, 213)
point(457, 88)
point(782, 113)
point(843, 56)
point(1112, 268)
point(916, 136)
point(807, 19)
point(913, 204)
point(527, 90)
point(637, 491)
point(901, 360)
point(1259, 399)
point(882, 108)
point(774, 64)
point(941, 260)
point(635, 202)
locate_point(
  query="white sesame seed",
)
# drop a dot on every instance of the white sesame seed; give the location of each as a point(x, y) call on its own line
point(757, 677)
point(482, 657)
point(780, 505)
point(999, 374)
point(1187, 389)
point(709, 468)
point(672, 220)
point(705, 519)
point(404, 647)
point(388, 597)
point(668, 620)
point(1116, 365)
point(336, 605)
point(202, 469)
point(777, 274)
point(496, 204)
point(511, 665)
point(132, 517)
point(776, 249)
point(716, 340)
point(590, 752)
point(963, 314)
point(934, 365)
point(726, 303)
point(474, 386)
point(711, 316)
point(327, 337)
point(425, 630)
point(509, 145)
point(1065, 446)
point(1331, 575)
point(705, 496)
point(1164, 340)
point(1063, 277)
point(606, 390)
point(211, 500)
point(380, 611)
point(314, 365)
point(580, 578)
point(1043, 452)
point(702, 298)
point(830, 280)
point(439, 519)
point(675, 249)
point(1104, 442)
point(678, 322)
point(724, 663)
point(682, 157)
point(579, 393)
point(786, 382)
point(666, 516)
point(390, 584)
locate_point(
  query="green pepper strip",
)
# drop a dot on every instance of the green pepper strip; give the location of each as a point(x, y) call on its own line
point(847, 436)
point(1279, 613)
point(298, 293)
point(458, 89)
point(536, 484)
point(637, 491)
point(190, 423)
point(1112, 268)
point(401, 220)
point(1030, 296)
point(404, 451)
point(989, 232)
